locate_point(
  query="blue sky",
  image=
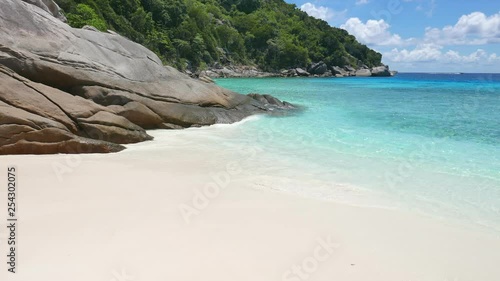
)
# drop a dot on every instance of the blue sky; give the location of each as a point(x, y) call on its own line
point(420, 35)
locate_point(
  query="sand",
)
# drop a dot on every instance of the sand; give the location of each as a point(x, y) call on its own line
point(118, 218)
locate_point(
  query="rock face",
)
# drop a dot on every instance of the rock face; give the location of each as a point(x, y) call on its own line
point(272, 103)
point(349, 68)
point(363, 72)
point(50, 7)
point(318, 68)
point(301, 72)
point(233, 71)
point(339, 71)
point(381, 71)
point(65, 90)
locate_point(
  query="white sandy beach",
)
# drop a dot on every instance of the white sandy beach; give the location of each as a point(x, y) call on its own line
point(116, 218)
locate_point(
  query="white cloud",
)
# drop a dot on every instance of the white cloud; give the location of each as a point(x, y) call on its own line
point(422, 53)
point(426, 53)
point(321, 12)
point(362, 2)
point(472, 29)
point(493, 57)
point(373, 32)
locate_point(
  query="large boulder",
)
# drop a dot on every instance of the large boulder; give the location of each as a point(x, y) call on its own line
point(381, 71)
point(63, 88)
point(363, 72)
point(289, 73)
point(138, 114)
point(23, 132)
point(339, 71)
point(272, 102)
point(301, 72)
point(349, 68)
point(34, 115)
point(318, 68)
point(240, 71)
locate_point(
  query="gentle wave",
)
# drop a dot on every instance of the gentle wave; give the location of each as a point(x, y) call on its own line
point(421, 129)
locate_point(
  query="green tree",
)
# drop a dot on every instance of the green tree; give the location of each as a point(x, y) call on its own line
point(85, 15)
point(197, 33)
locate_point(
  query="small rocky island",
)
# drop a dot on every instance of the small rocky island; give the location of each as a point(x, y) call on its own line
point(67, 90)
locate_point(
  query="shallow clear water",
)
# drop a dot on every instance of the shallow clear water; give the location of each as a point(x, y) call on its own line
point(425, 142)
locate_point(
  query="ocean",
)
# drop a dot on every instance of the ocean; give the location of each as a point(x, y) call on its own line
point(426, 143)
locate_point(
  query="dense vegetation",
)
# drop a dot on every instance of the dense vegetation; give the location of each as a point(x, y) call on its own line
point(198, 33)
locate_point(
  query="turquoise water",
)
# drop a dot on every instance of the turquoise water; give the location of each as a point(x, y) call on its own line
point(423, 142)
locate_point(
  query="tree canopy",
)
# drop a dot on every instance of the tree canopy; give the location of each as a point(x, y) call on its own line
point(270, 34)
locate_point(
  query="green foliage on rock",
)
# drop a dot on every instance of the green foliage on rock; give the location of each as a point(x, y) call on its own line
point(195, 33)
point(85, 15)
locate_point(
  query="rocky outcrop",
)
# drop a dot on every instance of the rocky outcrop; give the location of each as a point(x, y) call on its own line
point(339, 71)
point(363, 72)
point(272, 103)
point(34, 115)
point(288, 73)
point(349, 68)
point(66, 90)
point(381, 71)
point(319, 68)
point(232, 71)
point(378, 71)
point(301, 72)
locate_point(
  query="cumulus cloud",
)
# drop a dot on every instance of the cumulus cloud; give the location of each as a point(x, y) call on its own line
point(493, 57)
point(373, 32)
point(472, 29)
point(434, 53)
point(321, 12)
point(422, 53)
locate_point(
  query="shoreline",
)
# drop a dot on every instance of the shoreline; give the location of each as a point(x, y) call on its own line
point(343, 193)
point(395, 181)
point(319, 69)
point(121, 212)
point(96, 91)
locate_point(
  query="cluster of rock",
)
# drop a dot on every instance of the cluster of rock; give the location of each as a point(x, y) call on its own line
point(66, 90)
point(319, 69)
point(232, 71)
point(271, 102)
